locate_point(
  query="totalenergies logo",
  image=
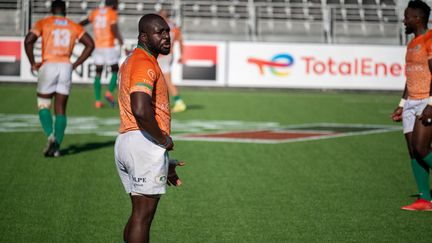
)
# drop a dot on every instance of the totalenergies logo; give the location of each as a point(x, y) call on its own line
point(278, 65)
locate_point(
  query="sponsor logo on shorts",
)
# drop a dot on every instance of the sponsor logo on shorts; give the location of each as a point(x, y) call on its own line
point(161, 179)
point(139, 179)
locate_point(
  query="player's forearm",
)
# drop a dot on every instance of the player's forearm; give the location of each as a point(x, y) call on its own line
point(118, 36)
point(150, 125)
point(405, 93)
point(28, 47)
point(141, 105)
point(89, 46)
point(84, 22)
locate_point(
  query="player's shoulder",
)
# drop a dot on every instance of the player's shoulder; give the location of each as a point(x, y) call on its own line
point(428, 35)
point(46, 19)
point(142, 59)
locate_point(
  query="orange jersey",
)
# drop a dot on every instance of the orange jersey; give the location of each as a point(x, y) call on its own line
point(419, 51)
point(102, 19)
point(58, 37)
point(140, 72)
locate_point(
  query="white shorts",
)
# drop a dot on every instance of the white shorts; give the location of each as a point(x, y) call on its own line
point(412, 109)
point(105, 56)
point(165, 62)
point(142, 165)
point(55, 77)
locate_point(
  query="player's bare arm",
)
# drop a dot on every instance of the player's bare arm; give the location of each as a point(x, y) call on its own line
point(29, 41)
point(141, 104)
point(87, 41)
point(84, 22)
point(180, 41)
point(117, 34)
point(426, 116)
point(397, 113)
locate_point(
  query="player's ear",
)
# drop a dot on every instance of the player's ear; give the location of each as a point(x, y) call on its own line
point(142, 37)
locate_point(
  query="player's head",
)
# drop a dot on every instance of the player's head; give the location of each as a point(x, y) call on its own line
point(58, 7)
point(154, 34)
point(416, 16)
point(111, 3)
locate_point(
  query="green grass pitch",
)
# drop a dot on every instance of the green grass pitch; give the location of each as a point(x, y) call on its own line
point(346, 189)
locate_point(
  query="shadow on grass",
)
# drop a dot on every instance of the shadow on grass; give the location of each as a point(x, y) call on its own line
point(81, 148)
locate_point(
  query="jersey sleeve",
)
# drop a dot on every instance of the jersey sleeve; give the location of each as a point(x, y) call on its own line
point(429, 47)
point(37, 28)
point(143, 78)
point(79, 30)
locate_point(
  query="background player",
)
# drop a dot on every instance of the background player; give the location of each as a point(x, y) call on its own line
point(105, 31)
point(141, 147)
point(166, 61)
point(54, 79)
point(415, 108)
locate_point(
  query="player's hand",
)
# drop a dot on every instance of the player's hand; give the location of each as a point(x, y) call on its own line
point(74, 66)
point(127, 51)
point(35, 67)
point(169, 144)
point(426, 116)
point(397, 114)
point(173, 178)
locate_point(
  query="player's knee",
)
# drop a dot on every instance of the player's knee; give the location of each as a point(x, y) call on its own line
point(43, 103)
point(99, 70)
point(114, 68)
point(421, 151)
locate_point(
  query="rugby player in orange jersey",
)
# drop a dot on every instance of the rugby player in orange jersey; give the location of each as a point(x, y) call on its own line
point(166, 62)
point(415, 107)
point(55, 72)
point(105, 31)
point(145, 125)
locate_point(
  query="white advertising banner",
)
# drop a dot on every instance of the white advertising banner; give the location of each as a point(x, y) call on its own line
point(316, 66)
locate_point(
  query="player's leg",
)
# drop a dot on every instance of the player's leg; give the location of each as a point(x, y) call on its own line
point(419, 144)
point(143, 211)
point(179, 104)
point(97, 86)
point(419, 168)
point(60, 103)
point(165, 63)
point(421, 140)
point(109, 95)
point(47, 81)
point(44, 110)
point(420, 171)
point(60, 120)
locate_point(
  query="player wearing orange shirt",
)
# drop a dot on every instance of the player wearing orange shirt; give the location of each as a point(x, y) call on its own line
point(141, 147)
point(415, 108)
point(166, 61)
point(55, 72)
point(105, 31)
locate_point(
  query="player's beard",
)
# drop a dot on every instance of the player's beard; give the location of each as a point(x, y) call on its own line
point(165, 48)
point(408, 30)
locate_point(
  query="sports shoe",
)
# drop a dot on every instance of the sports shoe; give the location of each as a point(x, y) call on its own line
point(56, 150)
point(98, 104)
point(419, 205)
point(179, 106)
point(50, 147)
point(110, 98)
